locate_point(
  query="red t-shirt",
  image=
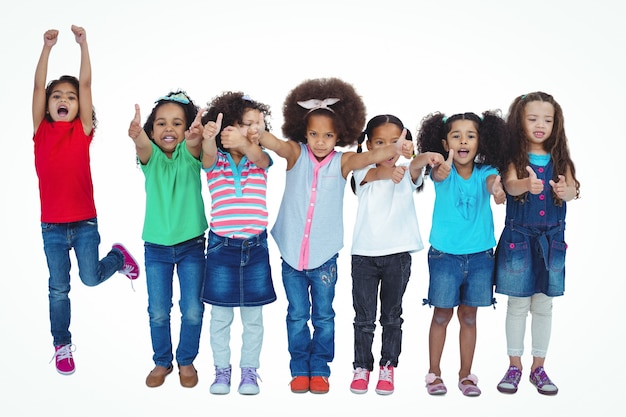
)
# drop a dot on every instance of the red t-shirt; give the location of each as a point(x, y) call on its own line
point(63, 167)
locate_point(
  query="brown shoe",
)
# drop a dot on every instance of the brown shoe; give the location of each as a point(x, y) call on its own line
point(188, 375)
point(156, 377)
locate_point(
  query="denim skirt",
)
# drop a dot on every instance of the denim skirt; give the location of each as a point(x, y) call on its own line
point(238, 272)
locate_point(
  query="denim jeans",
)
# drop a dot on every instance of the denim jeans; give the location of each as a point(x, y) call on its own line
point(251, 338)
point(392, 273)
point(83, 237)
point(188, 258)
point(310, 294)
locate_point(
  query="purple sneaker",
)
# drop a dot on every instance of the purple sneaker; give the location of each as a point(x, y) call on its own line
point(509, 383)
point(64, 360)
point(130, 267)
point(540, 379)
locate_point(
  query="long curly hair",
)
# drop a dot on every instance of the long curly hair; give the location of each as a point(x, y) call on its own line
point(179, 97)
point(233, 105)
point(348, 113)
point(74, 82)
point(516, 148)
point(491, 129)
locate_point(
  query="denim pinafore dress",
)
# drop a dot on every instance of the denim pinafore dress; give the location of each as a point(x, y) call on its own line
point(530, 256)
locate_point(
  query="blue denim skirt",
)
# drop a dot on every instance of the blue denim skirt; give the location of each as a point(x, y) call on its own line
point(238, 272)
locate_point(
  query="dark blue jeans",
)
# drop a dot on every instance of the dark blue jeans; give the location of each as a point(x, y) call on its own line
point(391, 273)
point(188, 259)
point(83, 237)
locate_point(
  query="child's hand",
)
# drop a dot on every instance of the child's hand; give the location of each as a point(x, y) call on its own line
point(135, 125)
point(195, 131)
point(397, 174)
point(446, 167)
point(211, 129)
point(404, 147)
point(434, 159)
point(232, 138)
point(560, 187)
point(499, 196)
point(79, 34)
point(256, 130)
point(50, 37)
point(535, 185)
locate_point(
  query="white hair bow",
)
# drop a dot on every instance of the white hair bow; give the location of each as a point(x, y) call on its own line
point(316, 104)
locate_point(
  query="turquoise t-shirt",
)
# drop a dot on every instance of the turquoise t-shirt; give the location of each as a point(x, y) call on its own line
point(174, 204)
point(462, 218)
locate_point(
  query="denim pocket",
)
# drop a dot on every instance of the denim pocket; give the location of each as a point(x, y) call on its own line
point(517, 255)
point(557, 256)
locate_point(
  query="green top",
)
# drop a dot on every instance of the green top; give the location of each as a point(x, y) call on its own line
point(174, 204)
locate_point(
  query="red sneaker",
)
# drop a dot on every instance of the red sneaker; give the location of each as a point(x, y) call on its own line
point(130, 267)
point(299, 384)
point(360, 381)
point(319, 385)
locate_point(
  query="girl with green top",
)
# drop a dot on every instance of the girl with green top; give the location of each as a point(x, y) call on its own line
point(168, 150)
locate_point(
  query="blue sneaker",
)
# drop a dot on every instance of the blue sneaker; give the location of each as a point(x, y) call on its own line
point(248, 384)
point(221, 385)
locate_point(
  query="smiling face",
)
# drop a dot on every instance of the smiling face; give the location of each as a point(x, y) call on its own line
point(320, 135)
point(384, 135)
point(168, 129)
point(63, 102)
point(463, 139)
point(538, 123)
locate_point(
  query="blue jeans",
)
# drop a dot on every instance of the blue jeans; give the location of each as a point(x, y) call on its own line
point(188, 258)
point(58, 239)
point(310, 356)
point(392, 273)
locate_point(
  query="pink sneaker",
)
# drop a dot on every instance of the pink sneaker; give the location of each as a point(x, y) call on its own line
point(360, 381)
point(130, 267)
point(385, 380)
point(64, 360)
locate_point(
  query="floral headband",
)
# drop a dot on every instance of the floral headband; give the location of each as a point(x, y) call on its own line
point(178, 98)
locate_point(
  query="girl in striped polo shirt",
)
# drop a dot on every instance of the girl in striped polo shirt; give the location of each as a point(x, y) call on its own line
point(237, 267)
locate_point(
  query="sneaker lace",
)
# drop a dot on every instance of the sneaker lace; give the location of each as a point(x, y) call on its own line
point(222, 376)
point(130, 273)
point(360, 373)
point(64, 352)
point(385, 373)
point(249, 376)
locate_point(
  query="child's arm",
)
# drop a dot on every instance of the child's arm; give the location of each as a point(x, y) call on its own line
point(418, 163)
point(394, 174)
point(440, 172)
point(517, 186)
point(193, 136)
point(494, 185)
point(288, 149)
point(85, 104)
point(209, 147)
point(41, 72)
point(565, 188)
point(233, 139)
point(143, 144)
point(352, 160)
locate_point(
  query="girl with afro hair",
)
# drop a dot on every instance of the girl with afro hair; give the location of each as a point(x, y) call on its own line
point(319, 115)
point(461, 258)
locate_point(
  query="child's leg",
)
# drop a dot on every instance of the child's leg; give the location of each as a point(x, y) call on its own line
point(57, 249)
point(515, 327)
point(397, 270)
point(86, 241)
point(252, 336)
point(365, 279)
point(467, 338)
point(221, 319)
point(190, 269)
point(437, 339)
point(541, 327)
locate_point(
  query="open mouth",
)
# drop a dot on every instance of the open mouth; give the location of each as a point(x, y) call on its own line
point(462, 153)
point(62, 111)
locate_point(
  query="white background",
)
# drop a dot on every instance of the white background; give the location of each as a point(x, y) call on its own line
point(405, 58)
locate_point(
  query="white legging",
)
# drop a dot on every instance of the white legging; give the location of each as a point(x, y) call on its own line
point(540, 307)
